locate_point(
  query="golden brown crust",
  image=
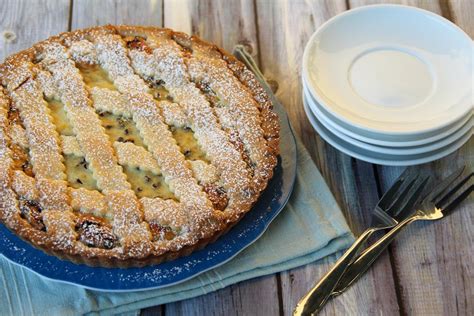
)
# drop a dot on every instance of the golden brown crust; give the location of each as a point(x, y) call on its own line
point(244, 130)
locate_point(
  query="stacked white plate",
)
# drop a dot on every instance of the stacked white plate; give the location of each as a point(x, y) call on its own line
point(390, 84)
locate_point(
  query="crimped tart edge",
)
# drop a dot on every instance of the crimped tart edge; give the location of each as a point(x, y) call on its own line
point(98, 258)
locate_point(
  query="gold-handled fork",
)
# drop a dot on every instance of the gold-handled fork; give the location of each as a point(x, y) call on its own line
point(400, 197)
point(438, 203)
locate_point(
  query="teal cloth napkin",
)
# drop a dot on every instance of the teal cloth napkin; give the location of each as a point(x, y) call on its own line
point(309, 228)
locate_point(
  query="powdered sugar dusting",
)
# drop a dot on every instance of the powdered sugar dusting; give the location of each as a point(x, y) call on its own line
point(50, 70)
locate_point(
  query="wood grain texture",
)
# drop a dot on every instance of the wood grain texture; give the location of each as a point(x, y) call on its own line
point(462, 13)
point(253, 297)
point(431, 5)
point(226, 23)
point(87, 13)
point(284, 29)
point(45, 18)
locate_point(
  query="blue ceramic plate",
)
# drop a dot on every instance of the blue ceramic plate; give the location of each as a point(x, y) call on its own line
point(248, 230)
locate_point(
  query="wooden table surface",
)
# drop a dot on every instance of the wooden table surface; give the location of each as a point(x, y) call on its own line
point(429, 270)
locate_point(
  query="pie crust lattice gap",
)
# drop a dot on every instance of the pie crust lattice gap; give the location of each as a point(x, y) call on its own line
point(125, 146)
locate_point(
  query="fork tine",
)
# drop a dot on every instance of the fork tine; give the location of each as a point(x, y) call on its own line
point(452, 191)
point(395, 190)
point(444, 185)
point(401, 197)
point(413, 197)
point(454, 203)
point(388, 196)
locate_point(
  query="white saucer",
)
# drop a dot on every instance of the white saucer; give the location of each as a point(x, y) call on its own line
point(380, 158)
point(391, 71)
point(395, 141)
point(318, 112)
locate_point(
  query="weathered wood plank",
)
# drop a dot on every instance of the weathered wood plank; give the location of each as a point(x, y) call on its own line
point(140, 12)
point(45, 18)
point(431, 5)
point(253, 297)
point(462, 13)
point(225, 23)
point(284, 29)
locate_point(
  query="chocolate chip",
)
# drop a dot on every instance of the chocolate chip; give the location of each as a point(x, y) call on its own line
point(139, 189)
point(78, 181)
point(147, 179)
point(156, 185)
point(122, 121)
point(126, 131)
point(120, 139)
point(187, 153)
point(108, 126)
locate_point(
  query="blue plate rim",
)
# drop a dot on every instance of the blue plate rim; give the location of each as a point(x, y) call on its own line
point(266, 225)
point(287, 140)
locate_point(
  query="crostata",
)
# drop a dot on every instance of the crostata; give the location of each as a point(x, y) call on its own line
point(125, 146)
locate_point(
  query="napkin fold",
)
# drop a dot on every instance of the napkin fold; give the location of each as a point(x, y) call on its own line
point(310, 227)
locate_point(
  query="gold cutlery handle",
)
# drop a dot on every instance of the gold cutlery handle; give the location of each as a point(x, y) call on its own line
point(315, 299)
point(365, 260)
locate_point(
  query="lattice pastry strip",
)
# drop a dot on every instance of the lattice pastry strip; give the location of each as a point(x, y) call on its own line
point(51, 197)
point(70, 146)
point(5, 158)
point(89, 132)
point(24, 185)
point(110, 101)
point(44, 146)
point(270, 123)
point(167, 64)
point(136, 156)
point(155, 134)
point(128, 223)
point(18, 136)
point(165, 213)
point(46, 159)
point(98, 151)
point(239, 112)
point(91, 202)
point(82, 200)
point(8, 202)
